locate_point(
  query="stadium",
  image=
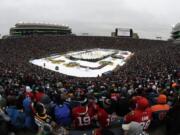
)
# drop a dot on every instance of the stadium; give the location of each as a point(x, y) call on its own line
point(150, 71)
point(175, 34)
point(30, 29)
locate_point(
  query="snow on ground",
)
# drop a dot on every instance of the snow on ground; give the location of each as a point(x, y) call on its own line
point(82, 71)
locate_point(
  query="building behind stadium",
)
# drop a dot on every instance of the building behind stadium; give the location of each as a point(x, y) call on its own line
point(28, 29)
point(175, 34)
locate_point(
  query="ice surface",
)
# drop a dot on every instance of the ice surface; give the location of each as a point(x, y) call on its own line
point(81, 71)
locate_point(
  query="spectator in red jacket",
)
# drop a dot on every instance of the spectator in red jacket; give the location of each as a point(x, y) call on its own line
point(141, 114)
point(82, 116)
point(39, 94)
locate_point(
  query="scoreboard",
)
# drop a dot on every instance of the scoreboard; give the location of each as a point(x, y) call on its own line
point(124, 32)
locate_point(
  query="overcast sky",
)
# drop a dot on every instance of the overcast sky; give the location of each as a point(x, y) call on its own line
point(149, 18)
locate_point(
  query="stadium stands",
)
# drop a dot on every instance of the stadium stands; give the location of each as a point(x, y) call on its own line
point(153, 70)
point(26, 29)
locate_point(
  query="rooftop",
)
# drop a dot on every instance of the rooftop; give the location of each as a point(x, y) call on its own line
point(28, 24)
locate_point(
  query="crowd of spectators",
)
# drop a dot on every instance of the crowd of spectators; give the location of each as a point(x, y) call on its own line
point(135, 98)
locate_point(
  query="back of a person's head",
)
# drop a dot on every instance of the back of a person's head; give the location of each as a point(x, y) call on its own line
point(58, 99)
point(84, 101)
point(40, 109)
point(11, 100)
point(40, 89)
point(162, 99)
point(45, 100)
point(107, 102)
point(142, 103)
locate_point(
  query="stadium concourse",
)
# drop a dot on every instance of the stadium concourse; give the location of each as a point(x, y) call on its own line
point(137, 98)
